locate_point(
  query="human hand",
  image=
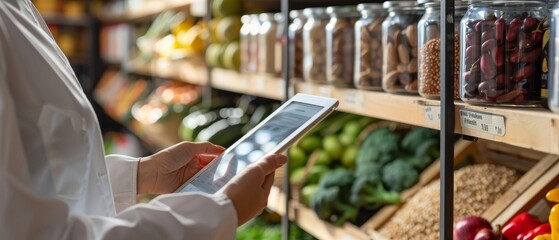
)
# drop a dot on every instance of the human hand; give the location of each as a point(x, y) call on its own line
point(249, 190)
point(168, 169)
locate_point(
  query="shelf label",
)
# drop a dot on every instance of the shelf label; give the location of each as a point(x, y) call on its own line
point(307, 89)
point(261, 84)
point(433, 115)
point(484, 122)
point(325, 92)
point(354, 99)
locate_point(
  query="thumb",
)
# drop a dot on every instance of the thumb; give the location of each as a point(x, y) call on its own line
point(272, 162)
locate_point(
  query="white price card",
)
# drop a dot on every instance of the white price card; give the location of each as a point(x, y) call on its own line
point(484, 122)
point(354, 99)
point(433, 115)
point(307, 89)
point(325, 92)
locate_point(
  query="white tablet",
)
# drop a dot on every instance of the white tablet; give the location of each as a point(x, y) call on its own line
point(273, 135)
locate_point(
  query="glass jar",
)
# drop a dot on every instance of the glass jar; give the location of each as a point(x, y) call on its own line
point(546, 45)
point(501, 61)
point(430, 45)
point(270, 53)
point(314, 45)
point(244, 43)
point(340, 45)
point(368, 47)
point(399, 43)
point(296, 46)
point(253, 39)
point(553, 56)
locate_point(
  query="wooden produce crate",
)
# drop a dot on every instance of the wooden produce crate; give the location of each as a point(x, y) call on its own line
point(539, 173)
point(308, 220)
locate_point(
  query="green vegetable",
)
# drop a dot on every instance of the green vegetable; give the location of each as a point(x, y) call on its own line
point(310, 143)
point(399, 175)
point(307, 192)
point(349, 156)
point(316, 173)
point(323, 158)
point(330, 202)
point(297, 158)
point(416, 137)
point(372, 194)
point(332, 146)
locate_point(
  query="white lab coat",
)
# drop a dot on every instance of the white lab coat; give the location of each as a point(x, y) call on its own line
point(55, 182)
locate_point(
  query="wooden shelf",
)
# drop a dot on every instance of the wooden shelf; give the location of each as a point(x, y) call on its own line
point(148, 10)
point(65, 20)
point(256, 85)
point(191, 71)
point(536, 129)
point(307, 219)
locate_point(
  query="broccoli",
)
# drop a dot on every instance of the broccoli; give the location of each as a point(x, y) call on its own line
point(416, 137)
point(379, 146)
point(399, 175)
point(331, 202)
point(372, 194)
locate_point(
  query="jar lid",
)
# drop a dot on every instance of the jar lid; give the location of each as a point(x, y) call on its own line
point(264, 17)
point(278, 17)
point(245, 19)
point(295, 14)
point(399, 4)
point(310, 12)
point(342, 10)
point(370, 7)
point(456, 2)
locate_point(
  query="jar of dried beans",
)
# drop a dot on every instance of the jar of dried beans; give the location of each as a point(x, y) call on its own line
point(368, 47)
point(296, 44)
point(429, 50)
point(553, 57)
point(270, 45)
point(249, 47)
point(339, 45)
point(399, 42)
point(314, 45)
point(501, 49)
point(244, 43)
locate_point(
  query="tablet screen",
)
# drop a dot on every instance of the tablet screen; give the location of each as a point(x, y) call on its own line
point(253, 147)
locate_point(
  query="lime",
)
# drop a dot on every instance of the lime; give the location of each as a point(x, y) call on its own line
point(310, 143)
point(349, 156)
point(307, 192)
point(228, 29)
point(232, 56)
point(323, 158)
point(317, 171)
point(297, 158)
point(332, 146)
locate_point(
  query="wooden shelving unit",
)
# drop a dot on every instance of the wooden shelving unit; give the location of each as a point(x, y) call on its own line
point(256, 85)
point(148, 10)
point(191, 71)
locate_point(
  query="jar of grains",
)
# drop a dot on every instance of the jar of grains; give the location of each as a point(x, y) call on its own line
point(501, 49)
point(314, 45)
point(368, 47)
point(296, 45)
point(270, 45)
point(429, 48)
point(399, 42)
point(339, 45)
point(553, 56)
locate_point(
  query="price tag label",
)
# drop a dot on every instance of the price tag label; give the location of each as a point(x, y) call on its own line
point(484, 122)
point(245, 83)
point(354, 99)
point(433, 115)
point(261, 84)
point(325, 92)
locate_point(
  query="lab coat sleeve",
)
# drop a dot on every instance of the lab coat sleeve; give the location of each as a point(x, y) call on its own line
point(26, 214)
point(123, 176)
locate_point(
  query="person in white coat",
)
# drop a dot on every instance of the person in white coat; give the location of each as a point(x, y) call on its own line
point(56, 183)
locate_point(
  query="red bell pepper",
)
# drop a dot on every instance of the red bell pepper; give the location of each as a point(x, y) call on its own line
point(540, 230)
point(520, 225)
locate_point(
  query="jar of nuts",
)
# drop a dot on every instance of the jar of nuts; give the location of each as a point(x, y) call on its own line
point(296, 46)
point(429, 50)
point(270, 45)
point(501, 49)
point(249, 47)
point(399, 43)
point(553, 56)
point(368, 47)
point(339, 45)
point(314, 45)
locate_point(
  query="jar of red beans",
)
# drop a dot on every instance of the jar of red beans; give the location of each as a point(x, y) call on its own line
point(400, 45)
point(501, 49)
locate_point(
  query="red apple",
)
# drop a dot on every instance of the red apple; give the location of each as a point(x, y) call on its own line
point(485, 234)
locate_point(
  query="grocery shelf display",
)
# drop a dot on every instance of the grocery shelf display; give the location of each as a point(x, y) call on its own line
point(220, 55)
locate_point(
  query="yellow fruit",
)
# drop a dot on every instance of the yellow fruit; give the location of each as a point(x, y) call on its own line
point(192, 39)
point(214, 54)
point(225, 8)
point(165, 46)
point(182, 26)
point(228, 29)
point(212, 25)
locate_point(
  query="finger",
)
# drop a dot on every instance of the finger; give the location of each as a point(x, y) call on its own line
point(205, 147)
point(268, 181)
point(272, 162)
point(204, 159)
